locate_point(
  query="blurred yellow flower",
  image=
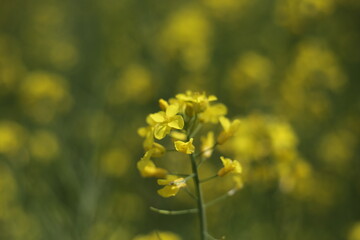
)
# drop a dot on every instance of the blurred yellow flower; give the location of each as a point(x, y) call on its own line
point(354, 233)
point(238, 181)
point(157, 235)
point(11, 137)
point(165, 121)
point(213, 113)
point(294, 14)
point(172, 185)
point(185, 147)
point(147, 167)
point(251, 70)
point(229, 129)
point(135, 84)
point(314, 75)
point(115, 162)
point(44, 95)
point(337, 148)
point(230, 166)
point(207, 144)
point(186, 36)
point(176, 135)
point(44, 145)
point(282, 136)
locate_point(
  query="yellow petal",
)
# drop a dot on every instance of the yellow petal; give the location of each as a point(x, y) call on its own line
point(230, 166)
point(163, 104)
point(160, 131)
point(178, 135)
point(158, 149)
point(172, 110)
point(150, 121)
point(212, 98)
point(207, 142)
point(168, 191)
point(147, 168)
point(142, 131)
point(158, 117)
point(225, 123)
point(168, 180)
point(185, 147)
point(172, 185)
point(177, 122)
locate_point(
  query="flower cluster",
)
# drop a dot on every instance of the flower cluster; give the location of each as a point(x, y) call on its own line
point(182, 119)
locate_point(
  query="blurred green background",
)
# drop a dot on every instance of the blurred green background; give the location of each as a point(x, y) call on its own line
point(78, 78)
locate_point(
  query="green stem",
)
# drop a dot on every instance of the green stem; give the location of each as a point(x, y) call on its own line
point(172, 212)
point(200, 202)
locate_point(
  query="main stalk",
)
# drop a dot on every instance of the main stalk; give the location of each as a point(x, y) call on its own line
point(200, 201)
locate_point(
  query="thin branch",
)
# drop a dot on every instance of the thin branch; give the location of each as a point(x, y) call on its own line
point(187, 190)
point(194, 132)
point(174, 212)
point(222, 197)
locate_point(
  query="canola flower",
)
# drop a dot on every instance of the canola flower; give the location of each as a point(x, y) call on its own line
point(184, 121)
point(230, 166)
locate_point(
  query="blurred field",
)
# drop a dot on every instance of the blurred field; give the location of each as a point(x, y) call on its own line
point(78, 78)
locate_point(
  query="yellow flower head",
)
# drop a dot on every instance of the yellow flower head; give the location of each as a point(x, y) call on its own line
point(213, 113)
point(230, 166)
point(195, 102)
point(172, 185)
point(166, 120)
point(229, 129)
point(185, 147)
point(147, 167)
point(207, 142)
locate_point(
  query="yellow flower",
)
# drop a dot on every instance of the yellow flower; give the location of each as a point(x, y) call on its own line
point(147, 167)
point(195, 102)
point(207, 142)
point(185, 147)
point(149, 143)
point(166, 120)
point(195, 97)
point(172, 185)
point(230, 129)
point(230, 166)
point(213, 113)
